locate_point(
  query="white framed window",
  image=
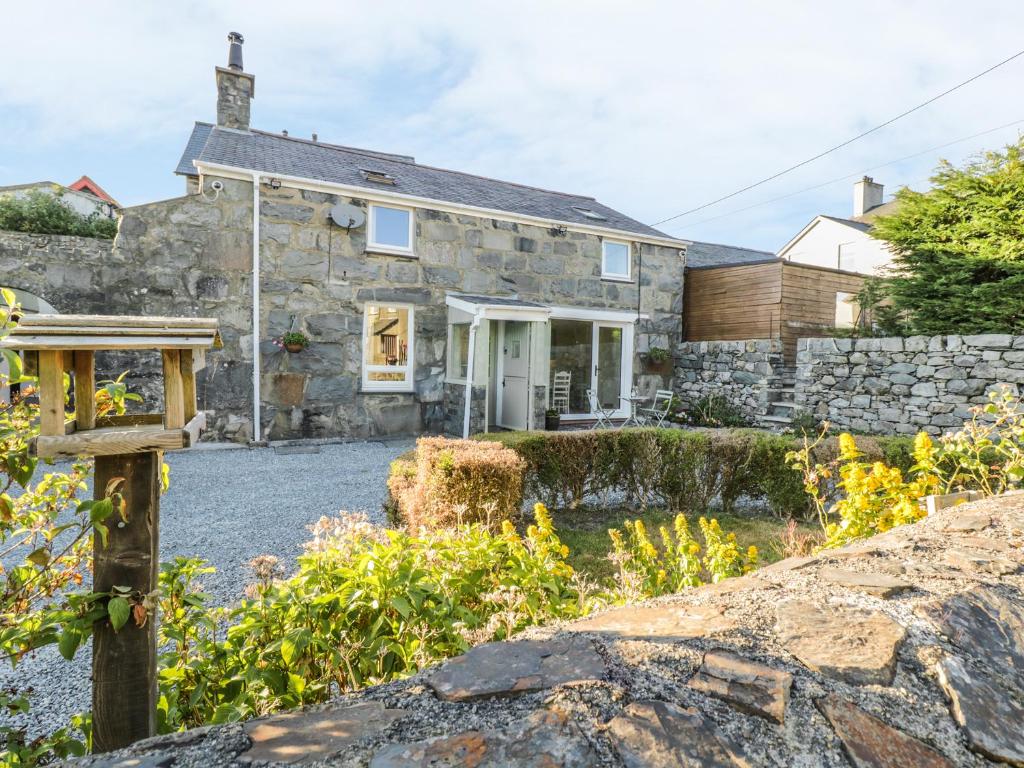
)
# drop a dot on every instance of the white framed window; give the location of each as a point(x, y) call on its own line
point(389, 230)
point(615, 260)
point(458, 351)
point(388, 347)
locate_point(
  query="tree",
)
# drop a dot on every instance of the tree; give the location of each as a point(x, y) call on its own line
point(959, 247)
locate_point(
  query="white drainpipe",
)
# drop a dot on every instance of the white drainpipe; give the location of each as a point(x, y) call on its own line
point(470, 375)
point(256, 430)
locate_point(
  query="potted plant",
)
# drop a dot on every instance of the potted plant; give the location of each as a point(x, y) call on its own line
point(658, 359)
point(295, 341)
point(552, 420)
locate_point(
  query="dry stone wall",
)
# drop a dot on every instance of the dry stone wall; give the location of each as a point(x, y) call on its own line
point(741, 372)
point(906, 649)
point(904, 385)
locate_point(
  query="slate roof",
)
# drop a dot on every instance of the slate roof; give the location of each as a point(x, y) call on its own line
point(717, 255)
point(289, 156)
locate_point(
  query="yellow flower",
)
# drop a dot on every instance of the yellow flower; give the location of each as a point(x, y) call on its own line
point(847, 447)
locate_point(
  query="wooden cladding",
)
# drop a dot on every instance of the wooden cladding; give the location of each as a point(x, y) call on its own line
point(773, 300)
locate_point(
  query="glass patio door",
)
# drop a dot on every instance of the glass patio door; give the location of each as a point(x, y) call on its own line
point(595, 356)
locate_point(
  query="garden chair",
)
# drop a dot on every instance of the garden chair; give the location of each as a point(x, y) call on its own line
point(657, 412)
point(601, 413)
point(560, 391)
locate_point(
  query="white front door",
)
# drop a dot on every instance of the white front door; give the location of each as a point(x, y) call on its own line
point(514, 374)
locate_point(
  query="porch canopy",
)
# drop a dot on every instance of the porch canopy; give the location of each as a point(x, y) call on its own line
point(498, 307)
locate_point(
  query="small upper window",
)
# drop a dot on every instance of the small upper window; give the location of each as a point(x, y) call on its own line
point(390, 230)
point(615, 259)
point(378, 177)
point(590, 214)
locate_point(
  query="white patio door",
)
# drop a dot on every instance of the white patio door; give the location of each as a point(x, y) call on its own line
point(514, 374)
point(608, 384)
point(597, 355)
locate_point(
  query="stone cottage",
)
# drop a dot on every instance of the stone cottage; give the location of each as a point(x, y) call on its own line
point(417, 286)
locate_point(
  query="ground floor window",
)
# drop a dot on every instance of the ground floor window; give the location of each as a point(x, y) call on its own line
point(458, 351)
point(593, 354)
point(388, 333)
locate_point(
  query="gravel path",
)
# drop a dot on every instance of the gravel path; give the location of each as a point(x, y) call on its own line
point(227, 506)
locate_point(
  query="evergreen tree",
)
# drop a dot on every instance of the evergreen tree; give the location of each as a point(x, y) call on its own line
point(959, 247)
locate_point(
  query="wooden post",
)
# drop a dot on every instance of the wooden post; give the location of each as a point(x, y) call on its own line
point(124, 689)
point(174, 399)
point(188, 383)
point(51, 392)
point(85, 390)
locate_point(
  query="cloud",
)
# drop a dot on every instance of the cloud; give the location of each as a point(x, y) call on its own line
point(652, 107)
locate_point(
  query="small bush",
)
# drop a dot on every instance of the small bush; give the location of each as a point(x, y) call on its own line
point(45, 214)
point(458, 482)
point(715, 411)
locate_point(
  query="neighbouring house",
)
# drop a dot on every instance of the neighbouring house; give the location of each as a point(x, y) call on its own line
point(433, 300)
point(84, 196)
point(845, 244)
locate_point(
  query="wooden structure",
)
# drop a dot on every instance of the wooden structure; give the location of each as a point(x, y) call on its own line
point(772, 299)
point(128, 451)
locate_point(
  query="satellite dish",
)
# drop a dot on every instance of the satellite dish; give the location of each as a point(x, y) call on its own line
point(347, 215)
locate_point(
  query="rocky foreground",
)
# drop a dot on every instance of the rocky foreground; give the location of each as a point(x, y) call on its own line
point(903, 650)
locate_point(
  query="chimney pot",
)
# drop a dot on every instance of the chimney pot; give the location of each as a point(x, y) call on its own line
point(314, 137)
point(284, 133)
point(235, 41)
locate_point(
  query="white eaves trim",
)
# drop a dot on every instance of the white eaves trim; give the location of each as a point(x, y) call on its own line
point(379, 196)
point(813, 223)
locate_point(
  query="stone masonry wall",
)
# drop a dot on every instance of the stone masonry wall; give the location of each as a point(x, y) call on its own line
point(192, 256)
point(739, 371)
point(904, 385)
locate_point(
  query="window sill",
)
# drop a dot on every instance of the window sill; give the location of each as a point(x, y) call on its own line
point(383, 250)
point(616, 279)
point(408, 391)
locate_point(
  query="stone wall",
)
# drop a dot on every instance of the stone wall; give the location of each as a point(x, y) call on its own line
point(904, 385)
point(739, 371)
point(906, 649)
point(454, 409)
point(192, 256)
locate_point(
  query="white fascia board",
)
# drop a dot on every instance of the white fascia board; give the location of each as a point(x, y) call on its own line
point(600, 315)
point(495, 312)
point(380, 196)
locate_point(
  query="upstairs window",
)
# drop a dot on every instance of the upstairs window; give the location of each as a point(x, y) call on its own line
point(390, 230)
point(388, 348)
point(615, 260)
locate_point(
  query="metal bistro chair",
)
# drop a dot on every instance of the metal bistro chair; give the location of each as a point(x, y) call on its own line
point(601, 413)
point(656, 414)
point(560, 391)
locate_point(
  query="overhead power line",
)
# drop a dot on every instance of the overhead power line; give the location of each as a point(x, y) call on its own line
point(849, 141)
point(847, 176)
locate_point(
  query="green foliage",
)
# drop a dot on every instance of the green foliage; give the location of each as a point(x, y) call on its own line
point(47, 214)
point(959, 250)
point(658, 355)
point(295, 338)
point(715, 411)
point(366, 606)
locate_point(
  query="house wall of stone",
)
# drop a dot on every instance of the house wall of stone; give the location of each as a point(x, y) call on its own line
point(192, 256)
point(905, 385)
point(738, 371)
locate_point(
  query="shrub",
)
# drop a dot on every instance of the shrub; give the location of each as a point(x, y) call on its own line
point(715, 411)
point(365, 606)
point(458, 482)
point(45, 214)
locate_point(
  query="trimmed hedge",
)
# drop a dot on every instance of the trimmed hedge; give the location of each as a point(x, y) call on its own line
point(678, 469)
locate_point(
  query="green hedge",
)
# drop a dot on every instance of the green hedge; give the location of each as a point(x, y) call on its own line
point(678, 469)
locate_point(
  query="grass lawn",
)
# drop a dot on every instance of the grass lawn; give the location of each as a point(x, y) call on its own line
point(585, 532)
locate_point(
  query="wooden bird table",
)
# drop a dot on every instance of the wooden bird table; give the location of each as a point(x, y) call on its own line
point(130, 448)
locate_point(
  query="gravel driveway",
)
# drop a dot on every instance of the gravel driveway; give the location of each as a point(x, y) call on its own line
point(227, 506)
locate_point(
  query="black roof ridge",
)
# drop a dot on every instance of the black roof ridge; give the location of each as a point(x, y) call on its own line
point(410, 160)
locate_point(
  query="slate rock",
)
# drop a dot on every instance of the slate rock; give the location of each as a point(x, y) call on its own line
point(655, 734)
point(968, 523)
point(749, 686)
point(158, 760)
point(979, 561)
point(877, 584)
point(548, 738)
point(987, 712)
point(657, 623)
point(511, 669)
point(305, 737)
point(870, 743)
point(985, 625)
point(854, 645)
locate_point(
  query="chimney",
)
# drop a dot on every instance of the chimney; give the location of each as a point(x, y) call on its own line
point(866, 195)
point(235, 88)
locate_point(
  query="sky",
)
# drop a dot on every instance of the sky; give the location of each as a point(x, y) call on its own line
point(653, 108)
